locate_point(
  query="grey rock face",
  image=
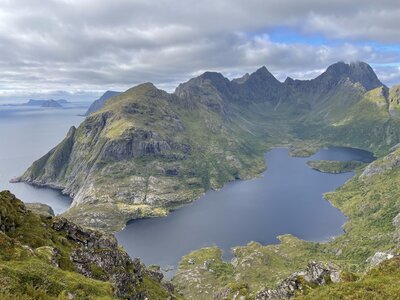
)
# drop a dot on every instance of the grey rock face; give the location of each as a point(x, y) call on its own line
point(242, 79)
point(155, 272)
point(138, 143)
point(99, 257)
point(379, 257)
point(40, 209)
point(316, 273)
point(387, 163)
point(357, 72)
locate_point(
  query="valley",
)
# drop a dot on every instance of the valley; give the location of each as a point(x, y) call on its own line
point(146, 153)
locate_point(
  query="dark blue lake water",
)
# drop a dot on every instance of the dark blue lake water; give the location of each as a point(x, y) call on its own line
point(287, 198)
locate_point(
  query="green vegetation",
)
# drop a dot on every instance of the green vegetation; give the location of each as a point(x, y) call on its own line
point(153, 290)
point(25, 268)
point(379, 283)
point(146, 152)
point(331, 166)
point(32, 277)
point(36, 260)
point(371, 205)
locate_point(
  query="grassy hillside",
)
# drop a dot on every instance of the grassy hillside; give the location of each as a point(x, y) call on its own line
point(144, 153)
point(380, 282)
point(39, 259)
point(147, 152)
point(371, 203)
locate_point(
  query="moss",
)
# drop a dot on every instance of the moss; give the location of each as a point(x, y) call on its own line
point(30, 250)
point(117, 128)
point(98, 272)
point(153, 290)
point(21, 276)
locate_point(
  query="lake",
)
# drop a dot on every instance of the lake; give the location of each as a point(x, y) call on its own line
point(287, 198)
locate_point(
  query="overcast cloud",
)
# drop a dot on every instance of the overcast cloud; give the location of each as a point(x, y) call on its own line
point(84, 47)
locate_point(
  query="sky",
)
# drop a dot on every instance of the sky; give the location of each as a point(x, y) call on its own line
point(77, 49)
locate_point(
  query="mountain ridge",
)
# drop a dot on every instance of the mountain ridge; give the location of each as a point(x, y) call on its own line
point(167, 140)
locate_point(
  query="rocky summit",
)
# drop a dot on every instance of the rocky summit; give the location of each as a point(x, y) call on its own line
point(146, 151)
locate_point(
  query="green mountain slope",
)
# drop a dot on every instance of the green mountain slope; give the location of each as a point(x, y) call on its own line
point(147, 151)
point(144, 153)
point(43, 257)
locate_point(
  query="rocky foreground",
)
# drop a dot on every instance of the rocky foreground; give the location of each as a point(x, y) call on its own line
point(45, 257)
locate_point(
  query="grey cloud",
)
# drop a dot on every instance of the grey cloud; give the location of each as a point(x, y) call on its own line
point(96, 45)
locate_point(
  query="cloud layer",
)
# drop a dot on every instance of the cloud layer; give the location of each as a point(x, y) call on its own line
point(93, 45)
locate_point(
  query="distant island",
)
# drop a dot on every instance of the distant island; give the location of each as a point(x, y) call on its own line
point(42, 103)
point(46, 103)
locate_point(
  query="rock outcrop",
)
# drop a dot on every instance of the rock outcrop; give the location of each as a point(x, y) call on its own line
point(62, 246)
point(40, 209)
point(316, 273)
point(380, 257)
point(387, 163)
point(98, 256)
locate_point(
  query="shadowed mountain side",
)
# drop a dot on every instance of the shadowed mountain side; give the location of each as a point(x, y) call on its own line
point(99, 103)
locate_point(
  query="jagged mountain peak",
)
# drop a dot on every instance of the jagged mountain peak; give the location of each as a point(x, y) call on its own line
point(264, 75)
point(357, 72)
point(207, 83)
point(288, 80)
point(241, 79)
point(216, 78)
point(211, 75)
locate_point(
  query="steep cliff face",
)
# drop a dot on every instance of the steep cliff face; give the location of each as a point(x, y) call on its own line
point(52, 257)
point(144, 153)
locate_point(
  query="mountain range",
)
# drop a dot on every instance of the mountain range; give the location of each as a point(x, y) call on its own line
point(147, 151)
